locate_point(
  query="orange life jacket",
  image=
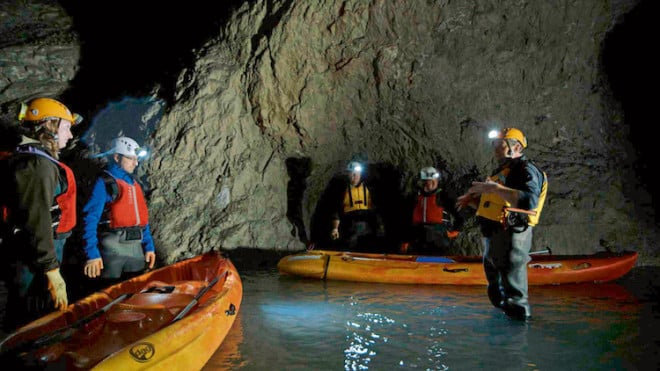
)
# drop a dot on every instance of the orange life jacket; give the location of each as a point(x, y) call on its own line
point(129, 209)
point(427, 210)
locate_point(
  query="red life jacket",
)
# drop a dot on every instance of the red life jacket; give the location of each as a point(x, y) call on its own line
point(66, 201)
point(129, 209)
point(427, 210)
point(63, 210)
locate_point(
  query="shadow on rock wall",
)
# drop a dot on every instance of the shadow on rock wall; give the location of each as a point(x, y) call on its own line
point(131, 50)
point(630, 67)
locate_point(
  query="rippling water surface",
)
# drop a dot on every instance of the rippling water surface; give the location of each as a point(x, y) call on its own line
point(288, 323)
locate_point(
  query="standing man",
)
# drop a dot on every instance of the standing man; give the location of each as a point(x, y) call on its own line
point(355, 222)
point(432, 219)
point(116, 218)
point(509, 205)
point(38, 210)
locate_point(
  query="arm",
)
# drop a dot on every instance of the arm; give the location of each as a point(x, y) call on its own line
point(92, 212)
point(36, 182)
point(508, 194)
point(334, 223)
point(529, 193)
point(467, 200)
point(149, 248)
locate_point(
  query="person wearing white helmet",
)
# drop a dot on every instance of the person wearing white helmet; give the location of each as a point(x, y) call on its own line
point(116, 235)
point(509, 205)
point(432, 217)
point(38, 202)
point(355, 223)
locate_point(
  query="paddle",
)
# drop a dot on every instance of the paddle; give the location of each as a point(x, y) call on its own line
point(199, 295)
point(63, 333)
point(541, 252)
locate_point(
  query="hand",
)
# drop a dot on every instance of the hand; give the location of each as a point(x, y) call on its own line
point(334, 234)
point(483, 187)
point(150, 257)
point(93, 267)
point(57, 289)
point(467, 199)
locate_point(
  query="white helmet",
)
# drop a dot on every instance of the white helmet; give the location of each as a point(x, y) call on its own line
point(127, 147)
point(428, 173)
point(354, 166)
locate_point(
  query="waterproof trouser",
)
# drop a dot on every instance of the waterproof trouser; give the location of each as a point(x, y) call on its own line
point(27, 296)
point(430, 239)
point(506, 254)
point(120, 255)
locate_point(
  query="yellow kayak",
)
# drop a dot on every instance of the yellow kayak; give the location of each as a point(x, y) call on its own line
point(172, 318)
point(450, 270)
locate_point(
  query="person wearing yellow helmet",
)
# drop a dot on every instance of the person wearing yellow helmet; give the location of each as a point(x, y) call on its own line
point(355, 222)
point(38, 210)
point(509, 205)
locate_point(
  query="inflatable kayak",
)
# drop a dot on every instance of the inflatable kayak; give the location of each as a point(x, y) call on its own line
point(172, 318)
point(451, 270)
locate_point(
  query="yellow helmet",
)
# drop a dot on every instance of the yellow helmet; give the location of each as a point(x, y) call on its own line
point(509, 133)
point(39, 109)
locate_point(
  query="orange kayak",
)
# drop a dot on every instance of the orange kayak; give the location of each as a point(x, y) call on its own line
point(451, 270)
point(172, 318)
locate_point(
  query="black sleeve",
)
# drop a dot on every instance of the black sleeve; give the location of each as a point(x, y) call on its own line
point(36, 179)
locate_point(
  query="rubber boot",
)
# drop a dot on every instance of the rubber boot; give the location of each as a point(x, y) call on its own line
point(517, 309)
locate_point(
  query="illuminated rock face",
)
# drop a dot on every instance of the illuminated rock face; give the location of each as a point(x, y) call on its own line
point(284, 93)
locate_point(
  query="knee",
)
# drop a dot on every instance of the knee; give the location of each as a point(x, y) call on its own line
point(519, 257)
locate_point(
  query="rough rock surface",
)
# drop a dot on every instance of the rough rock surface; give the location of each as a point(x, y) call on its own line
point(286, 92)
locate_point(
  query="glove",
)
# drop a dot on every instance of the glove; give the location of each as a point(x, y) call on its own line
point(57, 289)
point(150, 257)
point(334, 234)
point(93, 267)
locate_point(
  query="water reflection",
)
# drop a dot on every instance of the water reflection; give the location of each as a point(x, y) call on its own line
point(297, 324)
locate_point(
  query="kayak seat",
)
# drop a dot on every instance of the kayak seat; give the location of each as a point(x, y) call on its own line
point(151, 303)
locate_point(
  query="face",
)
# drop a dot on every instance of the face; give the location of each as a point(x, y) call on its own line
point(64, 133)
point(430, 185)
point(128, 163)
point(503, 149)
point(354, 177)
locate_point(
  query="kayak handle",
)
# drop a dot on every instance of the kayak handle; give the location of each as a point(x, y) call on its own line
point(454, 270)
point(541, 252)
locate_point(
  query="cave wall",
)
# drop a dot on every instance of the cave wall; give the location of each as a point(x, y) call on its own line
point(284, 93)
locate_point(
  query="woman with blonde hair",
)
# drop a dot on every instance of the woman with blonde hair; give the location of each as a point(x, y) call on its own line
point(38, 204)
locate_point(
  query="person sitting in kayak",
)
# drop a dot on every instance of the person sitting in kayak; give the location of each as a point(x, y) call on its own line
point(116, 215)
point(432, 218)
point(356, 225)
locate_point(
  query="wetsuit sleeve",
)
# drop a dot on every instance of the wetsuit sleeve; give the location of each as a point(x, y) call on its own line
point(528, 197)
point(36, 182)
point(92, 213)
point(147, 240)
point(337, 209)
